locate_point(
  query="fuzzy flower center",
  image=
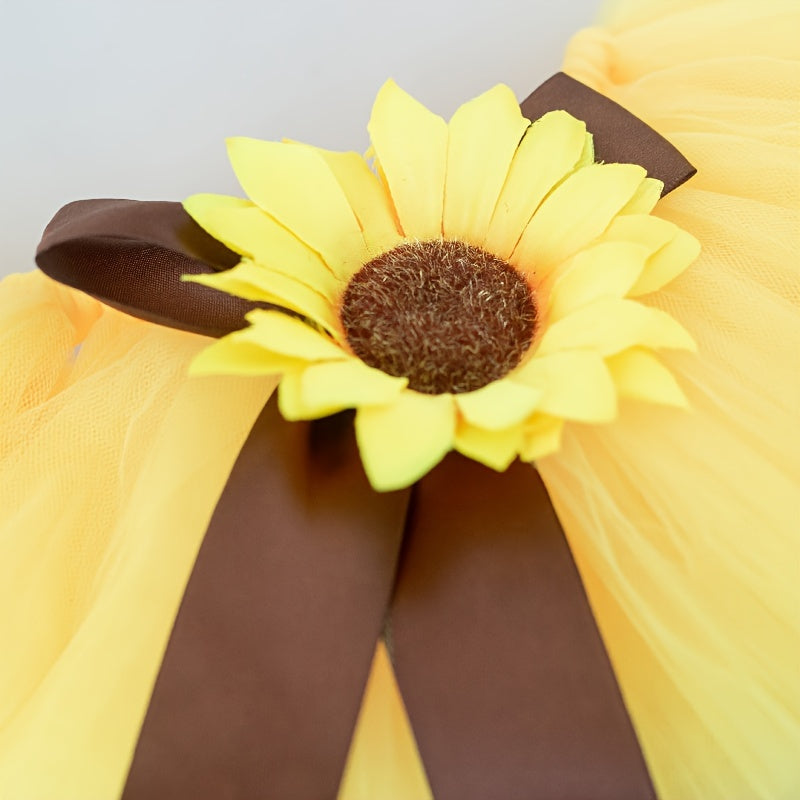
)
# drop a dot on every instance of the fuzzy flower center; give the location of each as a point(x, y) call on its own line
point(448, 316)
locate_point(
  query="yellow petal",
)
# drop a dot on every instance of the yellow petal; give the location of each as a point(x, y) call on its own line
point(368, 199)
point(498, 405)
point(666, 264)
point(332, 386)
point(645, 198)
point(670, 249)
point(402, 441)
point(575, 213)
point(293, 184)
point(650, 232)
point(495, 449)
point(232, 355)
point(639, 374)
point(411, 145)
point(541, 437)
point(283, 334)
point(483, 136)
point(575, 384)
point(608, 269)
point(315, 390)
point(254, 282)
point(550, 149)
point(609, 326)
point(290, 402)
point(587, 154)
point(246, 229)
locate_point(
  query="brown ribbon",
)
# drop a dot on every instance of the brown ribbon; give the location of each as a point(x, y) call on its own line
point(132, 254)
point(497, 655)
point(619, 136)
point(509, 689)
point(262, 680)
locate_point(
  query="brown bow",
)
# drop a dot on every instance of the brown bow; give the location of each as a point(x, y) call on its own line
point(303, 567)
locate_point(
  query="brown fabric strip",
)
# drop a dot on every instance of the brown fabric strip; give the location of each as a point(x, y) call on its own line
point(619, 136)
point(507, 684)
point(262, 680)
point(131, 254)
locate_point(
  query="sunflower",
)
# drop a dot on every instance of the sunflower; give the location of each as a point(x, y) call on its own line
point(467, 286)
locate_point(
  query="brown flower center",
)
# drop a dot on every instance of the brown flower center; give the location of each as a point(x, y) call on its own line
point(448, 316)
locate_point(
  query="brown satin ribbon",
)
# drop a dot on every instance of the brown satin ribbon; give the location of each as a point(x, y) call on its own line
point(619, 136)
point(507, 684)
point(132, 254)
point(509, 689)
point(261, 683)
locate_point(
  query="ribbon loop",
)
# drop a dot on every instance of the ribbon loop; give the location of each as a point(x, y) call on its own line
point(131, 254)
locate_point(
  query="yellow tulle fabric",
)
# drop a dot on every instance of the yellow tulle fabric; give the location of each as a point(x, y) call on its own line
point(687, 527)
point(684, 525)
point(111, 461)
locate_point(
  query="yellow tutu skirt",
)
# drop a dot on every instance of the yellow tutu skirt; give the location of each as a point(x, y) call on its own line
point(686, 527)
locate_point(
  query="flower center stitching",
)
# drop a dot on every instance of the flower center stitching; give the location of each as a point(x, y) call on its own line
point(448, 316)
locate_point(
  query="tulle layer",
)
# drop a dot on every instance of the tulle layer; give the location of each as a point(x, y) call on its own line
point(685, 525)
point(111, 462)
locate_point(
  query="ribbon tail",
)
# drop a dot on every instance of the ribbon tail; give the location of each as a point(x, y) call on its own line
point(505, 678)
point(264, 673)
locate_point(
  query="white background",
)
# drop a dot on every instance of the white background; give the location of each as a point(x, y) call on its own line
point(100, 98)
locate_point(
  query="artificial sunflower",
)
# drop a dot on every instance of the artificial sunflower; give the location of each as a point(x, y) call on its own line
point(473, 289)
